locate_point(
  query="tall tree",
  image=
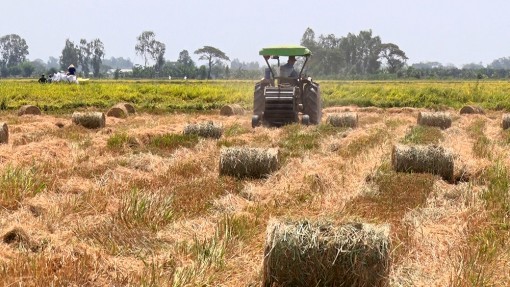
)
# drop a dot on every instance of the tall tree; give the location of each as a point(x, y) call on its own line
point(149, 48)
point(70, 55)
point(395, 58)
point(97, 51)
point(185, 65)
point(158, 55)
point(210, 54)
point(84, 56)
point(13, 50)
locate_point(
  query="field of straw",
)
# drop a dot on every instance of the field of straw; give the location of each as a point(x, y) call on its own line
point(140, 203)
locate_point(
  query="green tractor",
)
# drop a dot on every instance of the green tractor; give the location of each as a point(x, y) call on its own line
point(289, 96)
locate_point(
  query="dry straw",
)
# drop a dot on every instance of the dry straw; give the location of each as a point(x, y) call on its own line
point(205, 130)
point(471, 110)
point(505, 121)
point(346, 119)
point(4, 133)
point(307, 253)
point(28, 110)
point(435, 119)
point(231, 110)
point(90, 120)
point(248, 162)
point(423, 158)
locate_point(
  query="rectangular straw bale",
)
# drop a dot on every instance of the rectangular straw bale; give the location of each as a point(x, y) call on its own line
point(248, 162)
point(205, 130)
point(442, 120)
point(505, 121)
point(232, 109)
point(304, 253)
point(346, 119)
point(424, 159)
point(90, 120)
point(4, 133)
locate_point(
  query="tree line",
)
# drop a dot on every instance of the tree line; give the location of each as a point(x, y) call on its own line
point(354, 56)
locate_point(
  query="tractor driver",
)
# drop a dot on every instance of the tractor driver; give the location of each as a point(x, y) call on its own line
point(287, 70)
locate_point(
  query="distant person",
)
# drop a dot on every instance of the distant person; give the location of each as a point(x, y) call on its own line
point(185, 78)
point(287, 70)
point(71, 74)
point(42, 79)
point(71, 70)
point(169, 77)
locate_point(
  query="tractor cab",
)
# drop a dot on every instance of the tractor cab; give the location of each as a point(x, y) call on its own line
point(284, 95)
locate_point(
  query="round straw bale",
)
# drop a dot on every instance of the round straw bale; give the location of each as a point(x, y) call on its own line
point(505, 121)
point(305, 253)
point(248, 162)
point(90, 120)
point(4, 133)
point(205, 130)
point(471, 110)
point(129, 107)
point(346, 119)
point(231, 110)
point(28, 110)
point(435, 119)
point(118, 111)
point(423, 158)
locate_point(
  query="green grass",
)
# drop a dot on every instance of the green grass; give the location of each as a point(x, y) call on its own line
point(159, 96)
point(488, 238)
point(18, 183)
point(482, 147)
point(143, 209)
point(423, 135)
point(119, 141)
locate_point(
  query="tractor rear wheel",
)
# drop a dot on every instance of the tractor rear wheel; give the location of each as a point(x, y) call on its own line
point(259, 101)
point(312, 103)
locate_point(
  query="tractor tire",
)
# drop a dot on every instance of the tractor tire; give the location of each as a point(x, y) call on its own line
point(259, 102)
point(312, 103)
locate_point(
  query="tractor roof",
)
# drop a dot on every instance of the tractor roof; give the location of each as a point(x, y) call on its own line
point(285, 50)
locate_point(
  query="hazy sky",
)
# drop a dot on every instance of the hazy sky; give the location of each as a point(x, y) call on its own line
point(446, 31)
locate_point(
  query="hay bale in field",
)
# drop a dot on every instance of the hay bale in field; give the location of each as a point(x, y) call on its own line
point(346, 119)
point(248, 162)
point(129, 107)
point(231, 110)
point(28, 110)
point(90, 120)
point(418, 158)
point(442, 120)
point(118, 111)
point(307, 253)
point(4, 133)
point(471, 110)
point(505, 121)
point(205, 130)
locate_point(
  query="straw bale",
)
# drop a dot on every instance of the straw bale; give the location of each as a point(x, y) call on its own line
point(442, 120)
point(305, 253)
point(90, 120)
point(346, 119)
point(28, 110)
point(205, 130)
point(505, 121)
point(129, 107)
point(423, 159)
point(231, 110)
point(4, 133)
point(471, 110)
point(118, 111)
point(248, 162)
